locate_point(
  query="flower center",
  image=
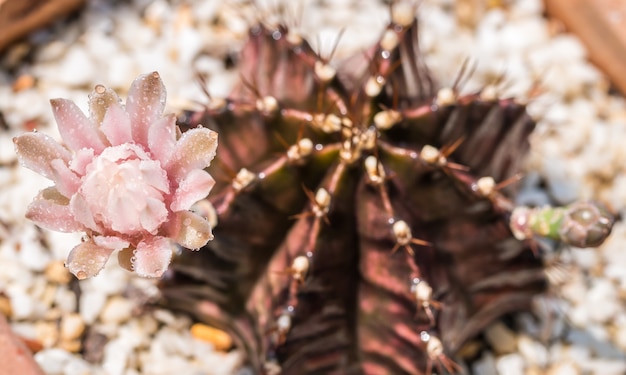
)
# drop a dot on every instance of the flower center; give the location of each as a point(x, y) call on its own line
point(125, 190)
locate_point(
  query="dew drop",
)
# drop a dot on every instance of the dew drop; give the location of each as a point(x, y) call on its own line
point(261, 175)
point(319, 147)
point(425, 336)
point(309, 254)
point(187, 222)
point(391, 220)
point(81, 275)
point(385, 54)
point(276, 35)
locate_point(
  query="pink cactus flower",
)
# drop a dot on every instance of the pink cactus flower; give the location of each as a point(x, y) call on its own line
point(125, 176)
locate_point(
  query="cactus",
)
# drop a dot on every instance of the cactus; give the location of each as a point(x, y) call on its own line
point(363, 211)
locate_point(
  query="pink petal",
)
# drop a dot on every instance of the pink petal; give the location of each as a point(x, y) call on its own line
point(152, 257)
point(162, 138)
point(145, 105)
point(51, 210)
point(153, 175)
point(111, 242)
point(81, 212)
point(82, 158)
point(116, 125)
point(100, 99)
point(66, 181)
point(189, 230)
point(36, 151)
point(76, 129)
point(123, 215)
point(153, 215)
point(195, 186)
point(194, 150)
point(87, 259)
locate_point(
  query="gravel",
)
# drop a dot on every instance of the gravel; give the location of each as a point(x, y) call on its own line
point(577, 152)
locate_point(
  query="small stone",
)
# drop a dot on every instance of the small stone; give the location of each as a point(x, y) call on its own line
point(72, 346)
point(564, 368)
point(602, 303)
point(72, 326)
point(5, 306)
point(53, 360)
point(117, 310)
point(534, 352)
point(23, 82)
point(220, 339)
point(76, 68)
point(47, 333)
point(22, 305)
point(510, 364)
point(501, 338)
point(486, 365)
point(116, 355)
point(56, 272)
point(90, 305)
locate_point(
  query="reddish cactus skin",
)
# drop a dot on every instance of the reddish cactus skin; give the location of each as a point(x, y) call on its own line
point(329, 261)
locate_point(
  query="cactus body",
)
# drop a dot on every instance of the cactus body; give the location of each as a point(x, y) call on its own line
point(360, 226)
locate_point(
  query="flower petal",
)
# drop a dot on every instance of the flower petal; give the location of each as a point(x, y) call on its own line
point(116, 125)
point(81, 212)
point(195, 186)
point(145, 105)
point(87, 259)
point(36, 151)
point(66, 181)
point(111, 242)
point(194, 150)
point(190, 230)
point(82, 158)
point(125, 258)
point(162, 138)
point(51, 210)
point(100, 99)
point(75, 128)
point(153, 215)
point(152, 257)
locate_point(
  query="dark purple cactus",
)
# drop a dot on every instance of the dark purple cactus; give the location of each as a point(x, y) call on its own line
point(361, 229)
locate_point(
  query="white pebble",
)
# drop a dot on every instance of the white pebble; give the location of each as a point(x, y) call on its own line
point(116, 356)
point(602, 301)
point(534, 352)
point(117, 310)
point(486, 365)
point(53, 360)
point(510, 364)
point(76, 68)
point(564, 368)
point(91, 304)
point(72, 326)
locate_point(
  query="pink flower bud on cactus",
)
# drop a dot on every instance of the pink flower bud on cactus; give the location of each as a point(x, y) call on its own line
point(123, 177)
